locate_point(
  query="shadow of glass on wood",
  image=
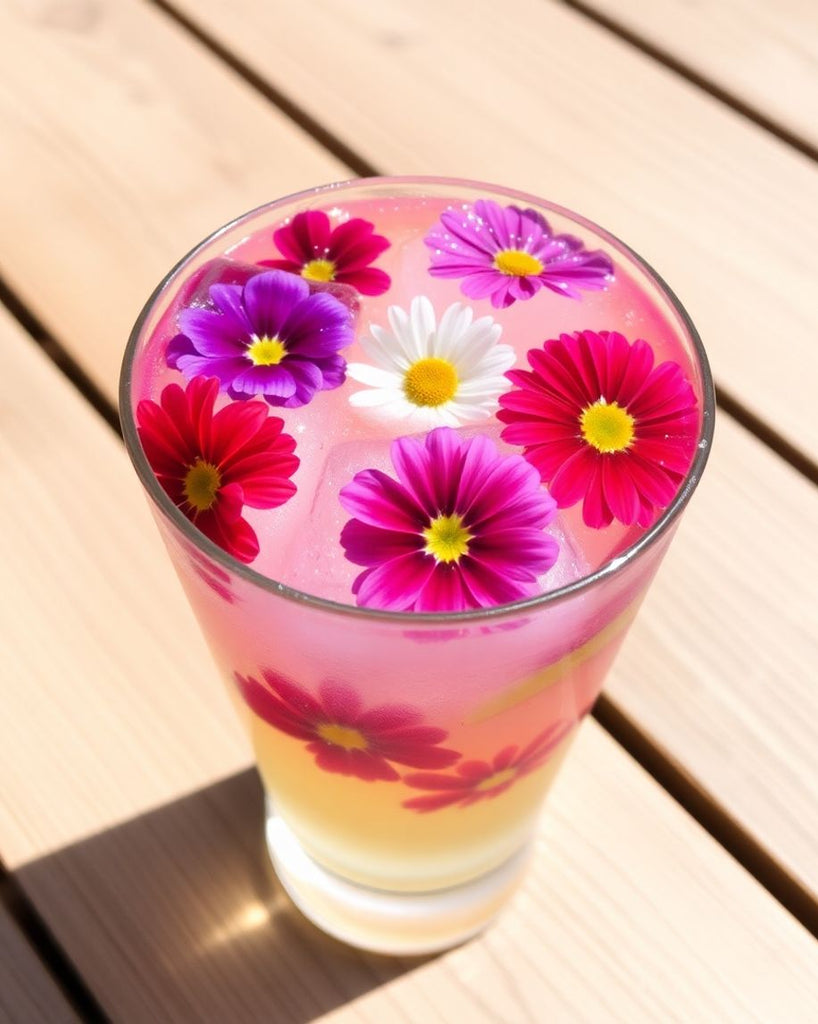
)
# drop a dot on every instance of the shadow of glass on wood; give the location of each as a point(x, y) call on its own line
point(177, 915)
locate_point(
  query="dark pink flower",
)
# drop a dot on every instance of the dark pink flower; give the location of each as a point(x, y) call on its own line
point(272, 336)
point(344, 736)
point(484, 780)
point(603, 425)
point(213, 464)
point(318, 252)
point(461, 527)
point(505, 254)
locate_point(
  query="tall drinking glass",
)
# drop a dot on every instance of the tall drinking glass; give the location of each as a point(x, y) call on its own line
point(407, 730)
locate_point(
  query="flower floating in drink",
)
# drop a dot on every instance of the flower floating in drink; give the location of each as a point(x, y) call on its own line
point(405, 441)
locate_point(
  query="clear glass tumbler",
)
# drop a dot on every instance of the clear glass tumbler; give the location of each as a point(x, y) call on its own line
point(406, 756)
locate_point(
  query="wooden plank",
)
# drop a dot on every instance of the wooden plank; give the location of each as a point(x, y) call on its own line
point(152, 875)
point(548, 102)
point(27, 991)
point(763, 54)
point(124, 144)
point(719, 667)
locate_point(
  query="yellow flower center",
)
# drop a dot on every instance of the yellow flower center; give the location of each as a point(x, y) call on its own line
point(516, 263)
point(498, 779)
point(609, 428)
point(342, 736)
point(202, 483)
point(319, 270)
point(266, 351)
point(447, 538)
point(430, 382)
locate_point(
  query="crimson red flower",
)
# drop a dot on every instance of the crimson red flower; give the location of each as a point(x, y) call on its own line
point(318, 252)
point(344, 736)
point(213, 464)
point(603, 425)
point(484, 780)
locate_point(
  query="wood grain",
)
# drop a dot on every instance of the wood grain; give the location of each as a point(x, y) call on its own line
point(27, 991)
point(151, 872)
point(763, 54)
point(124, 144)
point(548, 102)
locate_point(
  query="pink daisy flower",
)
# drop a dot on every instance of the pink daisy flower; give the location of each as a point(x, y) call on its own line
point(213, 464)
point(345, 737)
point(461, 527)
point(484, 780)
point(505, 254)
point(603, 425)
point(318, 252)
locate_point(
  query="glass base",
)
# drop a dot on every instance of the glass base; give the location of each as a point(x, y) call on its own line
point(397, 923)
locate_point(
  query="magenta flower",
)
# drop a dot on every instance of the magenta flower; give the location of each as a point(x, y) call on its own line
point(461, 527)
point(270, 337)
point(603, 425)
point(484, 780)
point(318, 252)
point(344, 736)
point(213, 464)
point(505, 254)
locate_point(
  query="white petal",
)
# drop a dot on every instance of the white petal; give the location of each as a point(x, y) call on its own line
point(374, 376)
point(467, 413)
point(385, 350)
point(452, 326)
point(422, 317)
point(488, 387)
point(485, 363)
point(374, 397)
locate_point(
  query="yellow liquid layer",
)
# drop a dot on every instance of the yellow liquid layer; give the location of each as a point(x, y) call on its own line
point(361, 831)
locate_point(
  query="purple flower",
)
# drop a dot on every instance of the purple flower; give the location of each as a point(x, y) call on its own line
point(507, 254)
point(270, 336)
point(461, 527)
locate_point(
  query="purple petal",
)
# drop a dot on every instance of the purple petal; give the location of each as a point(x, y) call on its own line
point(318, 327)
point(205, 366)
point(270, 299)
point(216, 334)
point(270, 381)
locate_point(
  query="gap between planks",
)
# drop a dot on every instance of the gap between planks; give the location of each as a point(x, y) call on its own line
point(693, 798)
point(689, 74)
point(47, 951)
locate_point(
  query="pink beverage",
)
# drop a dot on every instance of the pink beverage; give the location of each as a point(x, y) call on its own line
point(416, 448)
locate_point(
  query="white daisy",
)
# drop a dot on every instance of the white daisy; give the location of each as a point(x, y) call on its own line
point(433, 374)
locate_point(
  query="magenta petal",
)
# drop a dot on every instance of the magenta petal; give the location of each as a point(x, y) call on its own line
point(377, 499)
point(396, 584)
point(444, 592)
point(364, 544)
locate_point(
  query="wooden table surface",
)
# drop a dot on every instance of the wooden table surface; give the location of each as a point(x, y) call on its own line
point(677, 875)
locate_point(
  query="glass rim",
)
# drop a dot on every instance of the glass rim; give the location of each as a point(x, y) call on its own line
point(613, 567)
